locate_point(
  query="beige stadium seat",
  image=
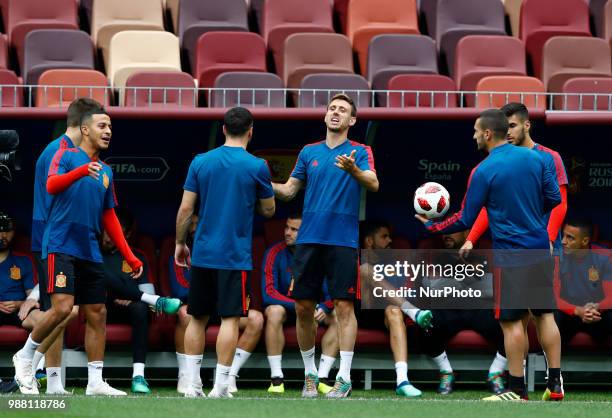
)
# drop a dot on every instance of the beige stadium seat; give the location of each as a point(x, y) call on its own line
point(112, 16)
point(513, 10)
point(173, 8)
point(135, 51)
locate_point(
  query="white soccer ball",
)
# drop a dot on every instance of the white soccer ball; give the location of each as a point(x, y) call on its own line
point(431, 200)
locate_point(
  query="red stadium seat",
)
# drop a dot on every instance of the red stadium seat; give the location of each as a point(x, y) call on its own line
point(4, 60)
point(11, 95)
point(582, 342)
point(468, 340)
point(65, 90)
point(353, 85)
point(584, 91)
point(165, 89)
point(12, 337)
point(247, 89)
point(411, 84)
point(519, 86)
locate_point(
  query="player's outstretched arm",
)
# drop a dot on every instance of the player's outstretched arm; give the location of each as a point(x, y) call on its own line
point(182, 256)
point(111, 225)
point(266, 207)
point(58, 183)
point(287, 191)
point(366, 178)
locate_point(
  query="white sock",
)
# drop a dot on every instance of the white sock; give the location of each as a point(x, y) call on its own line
point(276, 366)
point(36, 360)
point(149, 299)
point(193, 364)
point(346, 358)
point(325, 364)
point(30, 346)
point(525, 370)
point(309, 361)
point(54, 379)
point(94, 373)
point(410, 310)
point(401, 372)
point(443, 363)
point(138, 369)
point(182, 369)
point(221, 375)
point(499, 364)
point(240, 357)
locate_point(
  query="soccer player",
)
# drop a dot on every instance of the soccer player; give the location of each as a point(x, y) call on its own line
point(333, 171)
point(516, 205)
point(276, 287)
point(584, 290)
point(230, 184)
point(128, 300)
point(83, 202)
point(377, 236)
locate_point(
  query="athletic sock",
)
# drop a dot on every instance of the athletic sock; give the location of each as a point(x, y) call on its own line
point(94, 373)
point(554, 376)
point(54, 379)
point(240, 357)
point(443, 363)
point(193, 363)
point(498, 365)
point(346, 358)
point(401, 372)
point(308, 357)
point(149, 299)
point(276, 367)
point(325, 364)
point(30, 346)
point(38, 356)
point(182, 365)
point(221, 375)
point(138, 369)
point(517, 385)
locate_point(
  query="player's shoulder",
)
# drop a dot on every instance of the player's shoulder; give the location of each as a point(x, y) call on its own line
point(359, 145)
point(276, 248)
point(22, 258)
point(312, 146)
point(546, 150)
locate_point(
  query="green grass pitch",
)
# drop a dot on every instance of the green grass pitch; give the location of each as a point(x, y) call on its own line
point(252, 403)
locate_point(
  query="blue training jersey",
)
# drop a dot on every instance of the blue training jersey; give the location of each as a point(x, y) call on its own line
point(331, 203)
point(75, 217)
point(17, 275)
point(582, 276)
point(180, 278)
point(229, 181)
point(42, 199)
point(517, 189)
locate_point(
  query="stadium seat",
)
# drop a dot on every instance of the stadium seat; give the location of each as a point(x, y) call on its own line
point(27, 15)
point(113, 16)
point(340, 10)
point(134, 51)
point(10, 94)
point(4, 59)
point(160, 89)
point(219, 52)
point(354, 85)
point(172, 7)
point(456, 19)
point(166, 250)
point(513, 10)
point(585, 90)
point(518, 85)
point(411, 84)
point(282, 18)
point(607, 31)
point(366, 19)
point(597, 11)
point(4, 13)
point(308, 53)
point(566, 57)
point(46, 49)
point(239, 91)
point(70, 85)
point(12, 337)
point(391, 55)
point(543, 19)
point(428, 10)
point(199, 16)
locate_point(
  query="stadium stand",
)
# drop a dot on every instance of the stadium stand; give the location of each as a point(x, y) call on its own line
point(11, 95)
point(513, 11)
point(160, 89)
point(436, 88)
point(46, 49)
point(236, 88)
point(597, 10)
point(366, 19)
point(586, 91)
point(543, 19)
point(199, 16)
point(354, 85)
point(4, 59)
point(607, 32)
point(172, 9)
point(282, 18)
point(510, 89)
point(113, 16)
point(59, 87)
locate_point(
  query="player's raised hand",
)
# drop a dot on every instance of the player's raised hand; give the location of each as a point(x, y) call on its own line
point(466, 248)
point(346, 162)
point(93, 170)
point(137, 273)
point(421, 218)
point(182, 256)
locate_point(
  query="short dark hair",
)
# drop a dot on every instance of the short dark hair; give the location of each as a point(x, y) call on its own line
point(585, 225)
point(295, 215)
point(78, 108)
point(346, 98)
point(496, 121)
point(7, 223)
point(370, 228)
point(87, 116)
point(237, 121)
point(515, 108)
point(126, 219)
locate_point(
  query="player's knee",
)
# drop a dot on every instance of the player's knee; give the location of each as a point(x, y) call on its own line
point(394, 315)
point(256, 320)
point(344, 309)
point(62, 310)
point(304, 309)
point(275, 314)
point(96, 314)
point(513, 330)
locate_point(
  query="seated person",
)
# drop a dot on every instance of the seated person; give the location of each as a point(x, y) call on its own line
point(128, 299)
point(376, 235)
point(251, 326)
point(584, 288)
point(276, 287)
point(448, 322)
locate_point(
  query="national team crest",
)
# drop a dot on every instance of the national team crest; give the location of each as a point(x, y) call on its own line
point(125, 267)
point(15, 273)
point(593, 274)
point(105, 180)
point(60, 280)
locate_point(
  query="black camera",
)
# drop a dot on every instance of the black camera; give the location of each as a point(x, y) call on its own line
point(9, 158)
